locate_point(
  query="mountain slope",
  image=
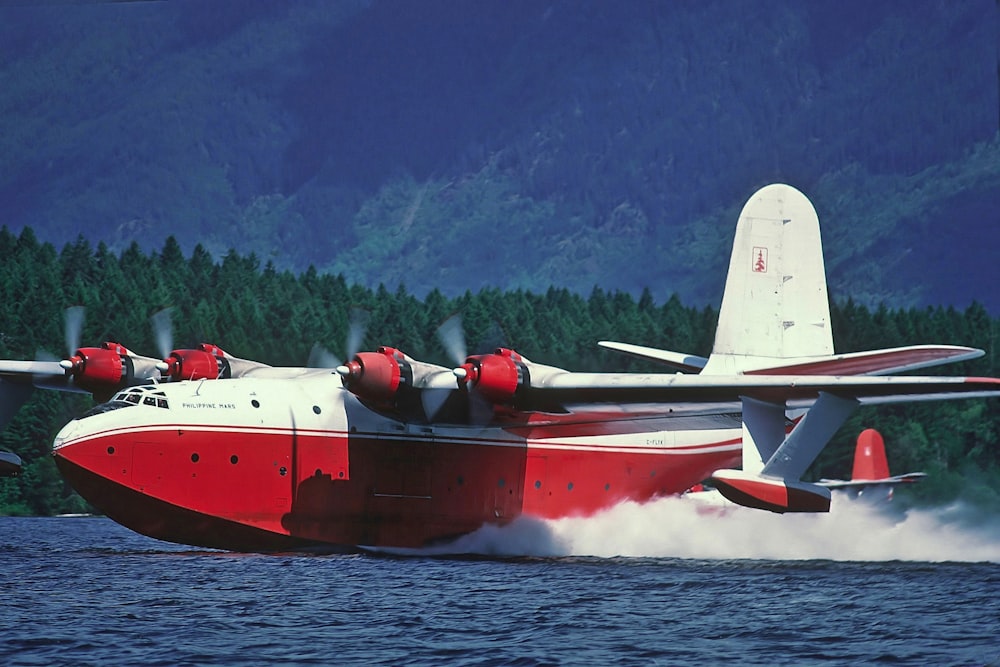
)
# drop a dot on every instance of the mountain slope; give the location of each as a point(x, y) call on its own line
point(519, 144)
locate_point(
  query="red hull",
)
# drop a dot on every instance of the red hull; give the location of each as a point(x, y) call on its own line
point(264, 489)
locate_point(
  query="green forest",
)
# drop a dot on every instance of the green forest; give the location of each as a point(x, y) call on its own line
point(253, 310)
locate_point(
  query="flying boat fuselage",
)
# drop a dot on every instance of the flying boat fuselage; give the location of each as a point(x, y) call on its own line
point(265, 464)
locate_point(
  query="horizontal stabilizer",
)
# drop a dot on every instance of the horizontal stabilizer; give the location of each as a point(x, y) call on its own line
point(908, 478)
point(874, 362)
point(871, 467)
point(686, 363)
point(774, 495)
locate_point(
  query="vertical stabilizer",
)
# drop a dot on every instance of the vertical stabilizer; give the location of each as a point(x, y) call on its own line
point(869, 457)
point(775, 305)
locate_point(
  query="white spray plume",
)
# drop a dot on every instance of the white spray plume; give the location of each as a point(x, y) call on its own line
point(681, 528)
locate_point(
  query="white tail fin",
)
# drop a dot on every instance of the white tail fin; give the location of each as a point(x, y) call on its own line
point(775, 306)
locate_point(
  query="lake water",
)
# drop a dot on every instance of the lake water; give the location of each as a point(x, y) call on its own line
point(661, 584)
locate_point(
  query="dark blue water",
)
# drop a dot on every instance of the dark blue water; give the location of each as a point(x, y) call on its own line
point(85, 591)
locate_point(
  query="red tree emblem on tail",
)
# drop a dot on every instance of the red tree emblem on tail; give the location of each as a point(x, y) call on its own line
point(760, 260)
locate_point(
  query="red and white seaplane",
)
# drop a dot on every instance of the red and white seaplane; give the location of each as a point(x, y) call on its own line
point(207, 449)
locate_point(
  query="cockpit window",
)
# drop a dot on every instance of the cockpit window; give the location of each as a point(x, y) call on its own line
point(149, 395)
point(105, 407)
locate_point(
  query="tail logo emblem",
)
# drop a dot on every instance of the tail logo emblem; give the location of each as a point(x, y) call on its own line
point(759, 260)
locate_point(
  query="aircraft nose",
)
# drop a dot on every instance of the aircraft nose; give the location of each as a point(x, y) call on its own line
point(67, 434)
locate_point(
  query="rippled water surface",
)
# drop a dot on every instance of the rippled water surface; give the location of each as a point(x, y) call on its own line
point(79, 591)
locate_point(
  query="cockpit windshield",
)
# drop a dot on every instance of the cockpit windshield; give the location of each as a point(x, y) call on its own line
point(150, 396)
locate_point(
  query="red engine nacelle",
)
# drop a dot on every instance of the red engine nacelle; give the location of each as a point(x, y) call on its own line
point(207, 362)
point(100, 370)
point(497, 376)
point(376, 376)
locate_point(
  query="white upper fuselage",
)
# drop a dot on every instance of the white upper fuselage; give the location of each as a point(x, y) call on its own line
point(313, 401)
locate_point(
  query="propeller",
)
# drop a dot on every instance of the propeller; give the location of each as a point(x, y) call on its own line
point(453, 338)
point(451, 334)
point(59, 377)
point(55, 379)
point(357, 326)
point(163, 331)
point(320, 357)
point(73, 318)
point(479, 406)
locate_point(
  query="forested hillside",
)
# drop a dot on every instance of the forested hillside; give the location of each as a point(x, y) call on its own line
point(273, 316)
point(466, 145)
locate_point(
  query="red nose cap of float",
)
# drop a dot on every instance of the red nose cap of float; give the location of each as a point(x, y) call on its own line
point(774, 495)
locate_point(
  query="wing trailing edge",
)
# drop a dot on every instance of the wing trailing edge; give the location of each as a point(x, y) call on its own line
point(873, 362)
point(787, 390)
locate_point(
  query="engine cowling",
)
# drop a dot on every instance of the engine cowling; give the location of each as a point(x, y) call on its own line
point(206, 362)
point(497, 377)
point(377, 376)
point(101, 370)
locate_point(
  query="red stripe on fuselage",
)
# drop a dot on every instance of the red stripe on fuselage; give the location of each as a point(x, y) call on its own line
point(393, 489)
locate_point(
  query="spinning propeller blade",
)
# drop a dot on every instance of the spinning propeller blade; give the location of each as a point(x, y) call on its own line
point(356, 329)
point(73, 317)
point(433, 400)
point(163, 332)
point(357, 326)
point(320, 357)
point(452, 337)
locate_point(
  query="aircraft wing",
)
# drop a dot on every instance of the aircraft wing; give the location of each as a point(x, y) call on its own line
point(793, 391)
point(874, 362)
point(15, 371)
point(19, 378)
point(44, 374)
